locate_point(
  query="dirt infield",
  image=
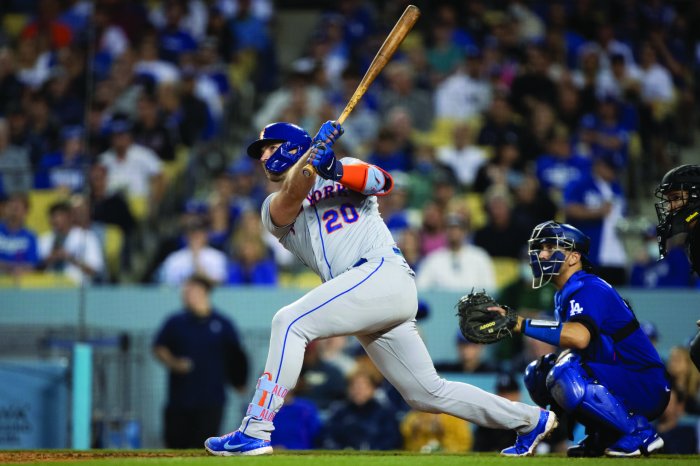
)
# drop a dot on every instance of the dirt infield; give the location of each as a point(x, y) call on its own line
point(29, 456)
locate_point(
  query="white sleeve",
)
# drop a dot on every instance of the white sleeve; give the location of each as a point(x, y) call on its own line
point(278, 232)
point(92, 255)
point(44, 245)
point(152, 164)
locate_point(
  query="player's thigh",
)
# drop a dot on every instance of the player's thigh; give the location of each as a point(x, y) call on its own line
point(370, 298)
point(400, 354)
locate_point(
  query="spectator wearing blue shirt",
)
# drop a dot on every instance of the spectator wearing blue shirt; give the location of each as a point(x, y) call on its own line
point(361, 422)
point(595, 204)
point(297, 424)
point(66, 168)
point(387, 153)
point(201, 349)
point(174, 41)
point(18, 244)
point(560, 166)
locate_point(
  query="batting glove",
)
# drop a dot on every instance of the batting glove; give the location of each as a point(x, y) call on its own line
point(329, 132)
point(324, 161)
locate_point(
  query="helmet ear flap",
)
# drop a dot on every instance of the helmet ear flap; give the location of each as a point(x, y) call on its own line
point(283, 158)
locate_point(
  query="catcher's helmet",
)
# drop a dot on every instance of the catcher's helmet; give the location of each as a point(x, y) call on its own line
point(295, 141)
point(562, 237)
point(679, 203)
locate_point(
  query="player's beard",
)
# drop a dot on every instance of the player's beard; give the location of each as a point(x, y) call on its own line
point(274, 177)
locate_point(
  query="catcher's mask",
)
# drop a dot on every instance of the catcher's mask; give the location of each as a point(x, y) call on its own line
point(295, 142)
point(679, 203)
point(562, 238)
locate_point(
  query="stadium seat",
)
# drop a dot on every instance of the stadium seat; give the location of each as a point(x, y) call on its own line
point(306, 280)
point(40, 201)
point(139, 207)
point(507, 271)
point(113, 244)
point(173, 169)
point(477, 213)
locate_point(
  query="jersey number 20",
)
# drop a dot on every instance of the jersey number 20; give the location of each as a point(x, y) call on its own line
point(332, 217)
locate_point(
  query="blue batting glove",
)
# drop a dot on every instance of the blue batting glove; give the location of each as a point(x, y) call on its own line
point(324, 161)
point(329, 132)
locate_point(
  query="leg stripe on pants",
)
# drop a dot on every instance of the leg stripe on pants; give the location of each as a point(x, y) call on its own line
point(315, 309)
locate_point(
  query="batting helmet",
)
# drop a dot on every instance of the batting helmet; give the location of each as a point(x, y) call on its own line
point(295, 141)
point(562, 237)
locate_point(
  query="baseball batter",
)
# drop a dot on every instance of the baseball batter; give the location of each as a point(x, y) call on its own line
point(330, 221)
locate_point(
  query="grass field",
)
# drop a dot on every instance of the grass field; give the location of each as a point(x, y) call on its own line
point(315, 458)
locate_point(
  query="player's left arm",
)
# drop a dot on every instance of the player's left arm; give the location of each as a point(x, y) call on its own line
point(354, 174)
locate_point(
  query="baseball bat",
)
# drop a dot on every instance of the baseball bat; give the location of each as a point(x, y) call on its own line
point(391, 43)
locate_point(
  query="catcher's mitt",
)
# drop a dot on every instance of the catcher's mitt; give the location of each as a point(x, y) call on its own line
point(478, 324)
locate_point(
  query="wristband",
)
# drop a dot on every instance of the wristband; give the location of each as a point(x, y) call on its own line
point(547, 331)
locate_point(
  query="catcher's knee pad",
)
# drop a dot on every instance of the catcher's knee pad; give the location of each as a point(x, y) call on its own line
point(573, 390)
point(536, 379)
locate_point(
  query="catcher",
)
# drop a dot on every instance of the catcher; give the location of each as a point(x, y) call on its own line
point(610, 378)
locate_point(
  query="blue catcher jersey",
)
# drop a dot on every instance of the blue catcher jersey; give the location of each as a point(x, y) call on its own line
point(616, 338)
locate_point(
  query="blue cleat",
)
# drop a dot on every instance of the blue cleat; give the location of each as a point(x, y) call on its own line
point(237, 443)
point(525, 444)
point(640, 442)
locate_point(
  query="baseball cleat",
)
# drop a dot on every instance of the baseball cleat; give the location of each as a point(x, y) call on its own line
point(237, 443)
point(525, 444)
point(638, 443)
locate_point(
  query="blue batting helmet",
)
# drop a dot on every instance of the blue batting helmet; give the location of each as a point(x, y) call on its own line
point(562, 237)
point(295, 141)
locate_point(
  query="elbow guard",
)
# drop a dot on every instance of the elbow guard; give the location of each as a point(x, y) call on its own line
point(367, 179)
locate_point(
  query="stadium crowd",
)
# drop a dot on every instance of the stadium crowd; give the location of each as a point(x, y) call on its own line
point(123, 123)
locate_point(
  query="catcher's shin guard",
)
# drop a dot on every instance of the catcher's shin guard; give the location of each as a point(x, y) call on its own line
point(571, 388)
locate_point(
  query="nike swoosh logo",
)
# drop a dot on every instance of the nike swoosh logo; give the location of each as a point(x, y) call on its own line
point(547, 268)
point(667, 389)
point(330, 165)
point(233, 447)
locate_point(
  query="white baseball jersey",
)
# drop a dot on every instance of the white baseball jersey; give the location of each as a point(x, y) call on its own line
point(336, 228)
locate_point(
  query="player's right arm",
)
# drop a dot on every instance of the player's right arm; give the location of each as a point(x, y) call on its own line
point(286, 203)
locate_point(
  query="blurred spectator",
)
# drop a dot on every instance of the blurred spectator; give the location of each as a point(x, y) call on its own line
point(595, 204)
point(109, 208)
point(335, 351)
point(648, 271)
point(401, 91)
point(604, 133)
point(621, 81)
point(387, 153)
point(132, 168)
point(650, 330)
point(429, 432)
point(111, 38)
point(43, 129)
point(501, 170)
point(322, 382)
point(685, 376)
point(15, 166)
point(409, 243)
point(609, 46)
point(251, 263)
point(560, 165)
point(459, 265)
point(432, 233)
point(361, 422)
point(465, 93)
point(487, 439)
point(196, 257)
point(67, 167)
point(679, 438)
point(471, 358)
point(532, 204)
point(501, 236)
point(151, 131)
point(65, 104)
point(220, 225)
point(461, 155)
point(657, 96)
point(297, 424)
point(10, 86)
point(533, 85)
point(47, 27)
point(393, 209)
point(69, 249)
point(149, 63)
point(18, 244)
point(173, 40)
point(201, 349)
